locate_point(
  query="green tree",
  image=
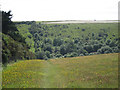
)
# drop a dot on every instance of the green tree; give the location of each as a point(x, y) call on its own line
point(7, 25)
point(105, 49)
point(57, 42)
point(47, 54)
point(63, 49)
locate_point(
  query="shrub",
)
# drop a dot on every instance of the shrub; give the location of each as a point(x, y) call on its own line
point(88, 48)
point(41, 55)
point(4, 58)
point(91, 53)
point(47, 54)
point(112, 44)
point(57, 42)
point(74, 54)
point(105, 49)
point(116, 50)
point(67, 55)
point(63, 50)
point(48, 47)
point(108, 42)
point(81, 54)
point(96, 47)
point(58, 55)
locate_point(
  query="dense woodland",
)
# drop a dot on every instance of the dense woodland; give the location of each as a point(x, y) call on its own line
point(33, 39)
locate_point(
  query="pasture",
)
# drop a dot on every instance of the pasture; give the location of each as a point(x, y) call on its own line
point(94, 71)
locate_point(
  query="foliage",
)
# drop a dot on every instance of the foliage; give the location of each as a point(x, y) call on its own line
point(14, 46)
point(64, 40)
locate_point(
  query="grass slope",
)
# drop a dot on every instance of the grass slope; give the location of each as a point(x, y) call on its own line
point(96, 71)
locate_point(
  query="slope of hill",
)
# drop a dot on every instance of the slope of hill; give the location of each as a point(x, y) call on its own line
point(14, 46)
point(96, 71)
point(69, 40)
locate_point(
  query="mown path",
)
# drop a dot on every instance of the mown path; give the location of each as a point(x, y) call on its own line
point(52, 76)
point(50, 73)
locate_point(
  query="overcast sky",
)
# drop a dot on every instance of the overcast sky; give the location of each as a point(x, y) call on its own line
point(47, 10)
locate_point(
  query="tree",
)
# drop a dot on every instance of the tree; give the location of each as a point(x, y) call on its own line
point(9, 28)
point(63, 49)
point(96, 47)
point(74, 54)
point(88, 48)
point(108, 42)
point(105, 49)
point(7, 25)
point(57, 42)
point(47, 54)
point(4, 58)
point(71, 47)
point(41, 55)
point(48, 47)
point(112, 44)
point(47, 40)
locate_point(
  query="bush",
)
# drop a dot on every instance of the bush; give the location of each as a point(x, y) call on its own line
point(63, 50)
point(88, 48)
point(74, 54)
point(41, 55)
point(112, 44)
point(96, 47)
point(67, 55)
point(57, 42)
point(4, 58)
point(108, 42)
point(91, 53)
point(71, 47)
point(115, 50)
point(105, 49)
point(47, 54)
point(48, 47)
point(58, 55)
point(81, 55)
point(48, 41)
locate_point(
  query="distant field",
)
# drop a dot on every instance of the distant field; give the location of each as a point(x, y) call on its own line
point(80, 21)
point(95, 71)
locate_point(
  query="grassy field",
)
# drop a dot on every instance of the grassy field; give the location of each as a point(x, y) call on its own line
point(95, 71)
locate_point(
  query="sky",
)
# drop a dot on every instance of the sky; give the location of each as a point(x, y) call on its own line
point(52, 10)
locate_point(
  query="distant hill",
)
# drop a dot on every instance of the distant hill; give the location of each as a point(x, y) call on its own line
point(55, 40)
point(80, 21)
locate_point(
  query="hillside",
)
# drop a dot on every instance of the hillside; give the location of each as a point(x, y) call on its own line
point(69, 39)
point(47, 40)
point(95, 71)
point(14, 46)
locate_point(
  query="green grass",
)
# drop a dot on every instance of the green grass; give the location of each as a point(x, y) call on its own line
point(95, 71)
